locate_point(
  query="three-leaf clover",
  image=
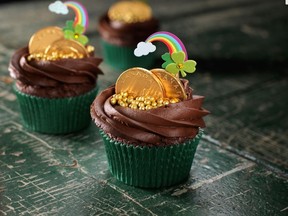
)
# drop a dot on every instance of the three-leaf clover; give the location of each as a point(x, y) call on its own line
point(75, 32)
point(69, 26)
point(177, 64)
point(167, 60)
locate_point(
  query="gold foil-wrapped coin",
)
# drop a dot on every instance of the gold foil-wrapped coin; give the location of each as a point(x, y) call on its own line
point(130, 12)
point(173, 87)
point(66, 48)
point(43, 38)
point(139, 82)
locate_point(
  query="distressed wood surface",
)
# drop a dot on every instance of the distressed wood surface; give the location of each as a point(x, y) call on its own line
point(241, 165)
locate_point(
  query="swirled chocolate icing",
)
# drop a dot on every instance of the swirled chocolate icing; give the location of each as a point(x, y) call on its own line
point(54, 79)
point(126, 34)
point(168, 125)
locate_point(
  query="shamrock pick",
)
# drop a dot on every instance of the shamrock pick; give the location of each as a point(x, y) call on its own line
point(176, 63)
point(75, 32)
point(69, 25)
point(167, 60)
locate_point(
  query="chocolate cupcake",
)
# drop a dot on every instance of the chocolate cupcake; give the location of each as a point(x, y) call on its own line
point(124, 25)
point(151, 123)
point(56, 79)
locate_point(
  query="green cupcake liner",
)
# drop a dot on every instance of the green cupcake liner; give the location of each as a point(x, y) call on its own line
point(122, 57)
point(150, 167)
point(55, 116)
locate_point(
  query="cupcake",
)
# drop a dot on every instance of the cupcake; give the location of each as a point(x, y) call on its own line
point(56, 76)
point(124, 25)
point(151, 122)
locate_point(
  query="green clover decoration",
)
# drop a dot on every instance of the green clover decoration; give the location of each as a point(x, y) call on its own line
point(75, 32)
point(176, 63)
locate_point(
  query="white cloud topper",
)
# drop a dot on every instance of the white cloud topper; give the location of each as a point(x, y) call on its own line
point(144, 48)
point(58, 7)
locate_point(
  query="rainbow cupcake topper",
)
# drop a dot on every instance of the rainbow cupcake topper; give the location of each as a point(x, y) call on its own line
point(80, 12)
point(74, 30)
point(176, 60)
point(173, 43)
point(81, 15)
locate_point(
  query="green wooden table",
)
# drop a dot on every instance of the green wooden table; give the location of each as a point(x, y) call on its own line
point(240, 167)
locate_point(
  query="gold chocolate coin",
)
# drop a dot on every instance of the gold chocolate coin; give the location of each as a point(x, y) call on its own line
point(139, 82)
point(130, 12)
point(173, 87)
point(65, 48)
point(44, 38)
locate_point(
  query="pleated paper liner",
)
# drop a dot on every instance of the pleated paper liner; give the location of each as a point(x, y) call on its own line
point(150, 167)
point(55, 116)
point(122, 57)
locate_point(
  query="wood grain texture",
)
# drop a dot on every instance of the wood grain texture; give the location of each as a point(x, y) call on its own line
point(241, 165)
point(68, 175)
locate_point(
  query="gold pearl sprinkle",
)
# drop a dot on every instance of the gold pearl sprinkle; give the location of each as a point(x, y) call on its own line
point(160, 101)
point(113, 101)
point(118, 97)
point(123, 104)
point(148, 107)
point(90, 49)
point(54, 56)
point(174, 100)
point(141, 103)
point(154, 104)
point(147, 102)
point(165, 102)
point(135, 102)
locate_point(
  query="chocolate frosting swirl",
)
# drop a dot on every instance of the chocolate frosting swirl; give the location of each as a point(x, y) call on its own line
point(168, 125)
point(60, 78)
point(126, 34)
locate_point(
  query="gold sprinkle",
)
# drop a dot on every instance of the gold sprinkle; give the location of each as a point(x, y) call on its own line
point(165, 102)
point(154, 104)
point(174, 100)
point(159, 104)
point(90, 49)
point(30, 57)
point(160, 101)
point(133, 106)
point(148, 107)
point(54, 56)
point(130, 99)
point(147, 102)
point(113, 101)
point(141, 103)
point(134, 102)
point(124, 94)
point(118, 97)
point(123, 104)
